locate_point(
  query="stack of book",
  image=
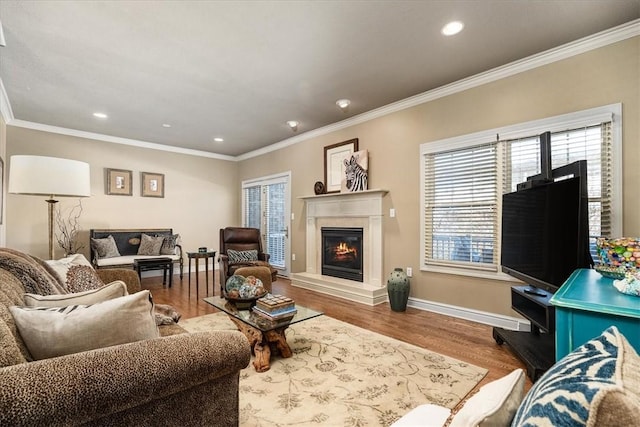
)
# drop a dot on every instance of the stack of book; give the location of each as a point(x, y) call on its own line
point(275, 307)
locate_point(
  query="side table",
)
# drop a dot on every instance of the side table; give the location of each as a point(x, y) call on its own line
point(198, 256)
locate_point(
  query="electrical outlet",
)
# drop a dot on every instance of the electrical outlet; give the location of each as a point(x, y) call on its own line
point(409, 271)
point(293, 216)
point(293, 257)
point(392, 213)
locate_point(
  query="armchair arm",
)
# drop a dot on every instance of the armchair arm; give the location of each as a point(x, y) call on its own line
point(179, 250)
point(264, 257)
point(130, 277)
point(119, 382)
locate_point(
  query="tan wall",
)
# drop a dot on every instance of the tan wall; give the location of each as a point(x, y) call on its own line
point(201, 194)
point(600, 77)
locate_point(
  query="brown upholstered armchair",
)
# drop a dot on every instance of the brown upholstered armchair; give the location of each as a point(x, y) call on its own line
point(241, 239)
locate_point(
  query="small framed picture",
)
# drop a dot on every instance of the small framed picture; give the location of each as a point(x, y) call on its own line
point(118, 182)
point(152, 184)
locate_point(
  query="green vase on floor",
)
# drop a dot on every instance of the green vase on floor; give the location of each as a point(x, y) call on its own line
point(398, 289)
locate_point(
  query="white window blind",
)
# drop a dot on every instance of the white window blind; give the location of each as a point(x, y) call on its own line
point(463, 187)
point(461, 190)
point(252, 206)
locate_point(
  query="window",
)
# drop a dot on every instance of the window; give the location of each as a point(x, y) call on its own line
point(464, 179)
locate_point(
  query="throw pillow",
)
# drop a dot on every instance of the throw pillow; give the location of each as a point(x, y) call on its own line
point(238, 257)
point(112, 290)
point(150, 245)
point(495, 404)
point(596, 384)
point(75, 273)
point(105, 248)
point(169, 244)
point(52, 332)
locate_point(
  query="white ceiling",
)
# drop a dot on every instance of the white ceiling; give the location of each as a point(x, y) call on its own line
point(241, 69)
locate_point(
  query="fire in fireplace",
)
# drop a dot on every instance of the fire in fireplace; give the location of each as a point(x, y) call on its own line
point(342, 252)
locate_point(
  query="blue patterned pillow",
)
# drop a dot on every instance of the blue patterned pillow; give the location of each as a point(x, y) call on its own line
point(596, 384)
point(239, 257)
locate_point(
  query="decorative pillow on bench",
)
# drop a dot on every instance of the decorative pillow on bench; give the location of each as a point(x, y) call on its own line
point(105, 248)
point(169, 244)
point(150, 245)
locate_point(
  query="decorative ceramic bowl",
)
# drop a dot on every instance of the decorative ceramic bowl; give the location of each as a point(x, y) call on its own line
point(244, 291)
point(618, 256)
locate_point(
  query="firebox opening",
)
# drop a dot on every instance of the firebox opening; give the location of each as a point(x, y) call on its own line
point(342, 252)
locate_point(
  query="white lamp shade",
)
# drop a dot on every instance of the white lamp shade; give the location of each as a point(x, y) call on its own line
point(50, 176)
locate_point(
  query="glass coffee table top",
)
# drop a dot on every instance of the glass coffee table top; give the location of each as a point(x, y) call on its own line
point(252, 319)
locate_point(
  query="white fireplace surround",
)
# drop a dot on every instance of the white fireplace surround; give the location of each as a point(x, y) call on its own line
point(361, 209)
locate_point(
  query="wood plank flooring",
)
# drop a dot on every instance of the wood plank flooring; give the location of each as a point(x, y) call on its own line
point(464, 340)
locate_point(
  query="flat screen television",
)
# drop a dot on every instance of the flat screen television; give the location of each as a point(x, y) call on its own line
point(545, 233)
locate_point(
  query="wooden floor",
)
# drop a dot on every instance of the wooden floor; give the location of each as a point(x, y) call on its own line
point(464, 340)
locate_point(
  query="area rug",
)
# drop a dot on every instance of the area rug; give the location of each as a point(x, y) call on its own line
point(342, 375)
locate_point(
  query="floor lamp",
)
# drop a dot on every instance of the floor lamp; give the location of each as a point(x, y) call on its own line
point(49, 176)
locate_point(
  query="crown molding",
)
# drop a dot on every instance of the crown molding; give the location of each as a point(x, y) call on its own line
point(586, 44)
point(580, 46)
point(117, 140)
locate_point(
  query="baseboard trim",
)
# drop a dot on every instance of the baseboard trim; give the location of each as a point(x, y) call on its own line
point(484, 317)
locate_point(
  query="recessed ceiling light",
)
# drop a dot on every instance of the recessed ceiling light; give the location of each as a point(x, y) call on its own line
point(452, 28)
point(100, 115)
point(218, 139)
point(293, 125)
point(343, 103)
point(166, 125)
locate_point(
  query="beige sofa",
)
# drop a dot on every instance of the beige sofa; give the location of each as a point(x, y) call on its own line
point(178, 379)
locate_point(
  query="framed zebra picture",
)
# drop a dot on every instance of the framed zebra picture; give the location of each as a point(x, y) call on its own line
point(356, 170)
point(334, 166)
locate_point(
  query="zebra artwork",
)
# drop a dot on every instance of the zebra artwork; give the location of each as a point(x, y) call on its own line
point(356, 171)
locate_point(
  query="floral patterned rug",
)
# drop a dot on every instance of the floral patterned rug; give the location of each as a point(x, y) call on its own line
point(342, 375)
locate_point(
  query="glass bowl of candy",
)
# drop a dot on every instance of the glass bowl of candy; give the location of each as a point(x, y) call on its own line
point(618, 256)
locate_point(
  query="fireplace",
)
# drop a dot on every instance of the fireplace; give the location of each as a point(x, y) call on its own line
point(342, 252)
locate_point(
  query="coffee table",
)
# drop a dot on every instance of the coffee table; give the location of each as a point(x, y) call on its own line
point(264, 335)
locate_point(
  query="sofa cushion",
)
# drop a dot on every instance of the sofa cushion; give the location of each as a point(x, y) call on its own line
point(105, 248)
point(112, 290)
point(10, 353)
point(127, 260)
point(495, 404)
point(238, 257)
point(596, 384)
point(75, 273)
point(169, 244)
point(150, 245)
point(51, 332)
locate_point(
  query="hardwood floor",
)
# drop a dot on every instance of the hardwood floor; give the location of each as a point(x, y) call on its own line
point(464, 340)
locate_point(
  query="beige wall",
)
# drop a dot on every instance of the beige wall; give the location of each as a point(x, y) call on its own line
point(201, 194)
point(600, 77)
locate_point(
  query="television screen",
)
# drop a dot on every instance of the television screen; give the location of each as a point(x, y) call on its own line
point(544, 238)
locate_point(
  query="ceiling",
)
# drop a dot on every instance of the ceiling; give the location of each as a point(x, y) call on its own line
point(239, 70)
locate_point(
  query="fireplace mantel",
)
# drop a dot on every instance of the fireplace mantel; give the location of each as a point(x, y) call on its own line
point(359, 209)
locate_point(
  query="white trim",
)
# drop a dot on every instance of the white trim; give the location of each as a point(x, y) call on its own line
point(484, 317)
point(568, 50)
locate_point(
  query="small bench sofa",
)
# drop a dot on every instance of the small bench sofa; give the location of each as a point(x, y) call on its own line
point(128, 243)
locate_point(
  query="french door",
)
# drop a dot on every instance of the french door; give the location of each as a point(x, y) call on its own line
point(266, 205)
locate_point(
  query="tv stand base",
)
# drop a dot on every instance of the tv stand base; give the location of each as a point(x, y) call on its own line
point(537, 351)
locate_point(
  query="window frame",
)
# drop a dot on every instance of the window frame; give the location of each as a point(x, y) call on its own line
point(612, 113)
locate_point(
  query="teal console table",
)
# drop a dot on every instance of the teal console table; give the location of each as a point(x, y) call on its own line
point(586, 305)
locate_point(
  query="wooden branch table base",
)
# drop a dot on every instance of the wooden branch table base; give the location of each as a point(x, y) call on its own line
point(265, 336)
point(264, 343)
